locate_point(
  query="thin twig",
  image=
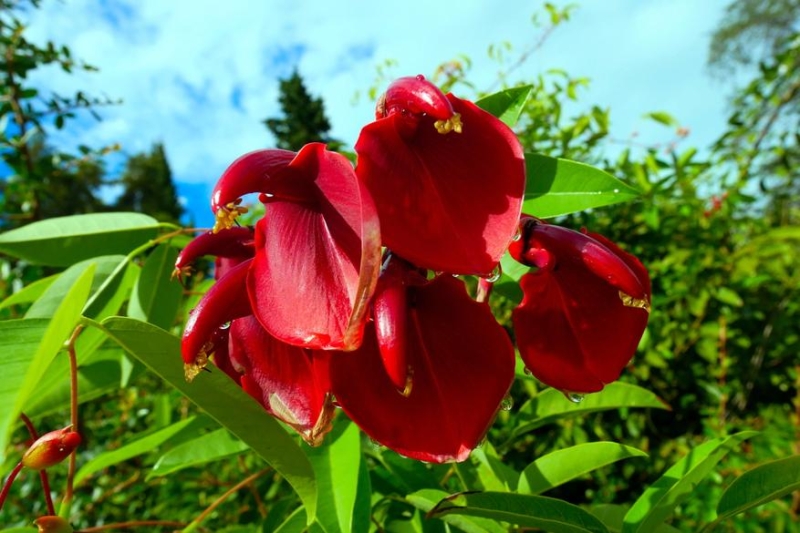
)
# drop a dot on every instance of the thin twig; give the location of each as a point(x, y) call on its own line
point(66, 502)
point(132, 523)
point(202, 516)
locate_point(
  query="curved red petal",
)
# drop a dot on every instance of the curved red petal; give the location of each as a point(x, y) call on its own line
point(290, 382)
point(224, 301)
point(248, 174)
point(317, 263)
point(462, 366)
point(575, 330)
point(446, 202)
point(233, 243)
point(390, 315)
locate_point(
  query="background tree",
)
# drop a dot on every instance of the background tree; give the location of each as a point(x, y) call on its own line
point(303, 120)
point(147, 180)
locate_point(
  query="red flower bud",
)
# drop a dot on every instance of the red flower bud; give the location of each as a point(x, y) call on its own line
point(53, 524)
point(51, 448)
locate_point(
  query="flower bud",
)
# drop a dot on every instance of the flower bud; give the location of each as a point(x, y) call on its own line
point(53, 524)
point(51, 448)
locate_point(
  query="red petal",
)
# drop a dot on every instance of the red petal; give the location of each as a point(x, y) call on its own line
point(390, 314)
point(446, 202)
point(462, 366)
point(573, 329)
point(317, 263)
point(290, 382)
point(235, 243)
point(224, 301)
point(417, 96)
point(250, 173)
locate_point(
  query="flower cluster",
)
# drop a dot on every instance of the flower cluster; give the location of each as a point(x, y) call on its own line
point(347, 292)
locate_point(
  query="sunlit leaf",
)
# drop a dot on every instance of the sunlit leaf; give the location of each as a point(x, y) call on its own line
point(29, 293)
point(564, 465)
point(62, 241)
point(426, 500)
point(658, 502)
point(29, 349)
point(559, 187)
point(198, 451)
point(547, 514)
point(342, 480)
point(223, 400)
point(662, 118)
point(506, 105)
point(760, 485)
point(140, 446)
point(156, 296)
point(551, 405)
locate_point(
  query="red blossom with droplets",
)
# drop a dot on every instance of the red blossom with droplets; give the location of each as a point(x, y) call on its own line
point(584, 310)
point(303, 317)
point(447, 178)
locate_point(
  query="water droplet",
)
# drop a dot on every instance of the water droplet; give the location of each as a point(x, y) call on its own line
point(226, 325)
point(507, 404)
point(528, 371)
point(495, 275)
point(517, 235)
point(574, 397)
point(616, 191)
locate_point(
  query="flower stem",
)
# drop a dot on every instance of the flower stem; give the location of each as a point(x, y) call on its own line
point(11, 477)
point(48, 498)
point(202, 516)
point(66, 502)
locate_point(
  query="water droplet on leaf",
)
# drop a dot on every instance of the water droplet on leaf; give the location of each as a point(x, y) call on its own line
point(574, 397)
point(495, 275)
point(507, 404)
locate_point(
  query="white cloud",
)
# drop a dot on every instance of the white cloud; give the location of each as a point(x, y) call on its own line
point(177, 65)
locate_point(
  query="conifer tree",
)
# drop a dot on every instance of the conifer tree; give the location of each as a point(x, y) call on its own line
point(303, 120)
point(148, 186)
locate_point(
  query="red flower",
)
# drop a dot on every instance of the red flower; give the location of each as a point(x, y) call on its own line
point(584, 309)
point(289, 381)
point(317, 248)
point(431, 389)
point(447, 178)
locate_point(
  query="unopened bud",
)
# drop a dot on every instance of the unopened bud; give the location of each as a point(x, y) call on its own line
point(51, 448)
point(53, 524)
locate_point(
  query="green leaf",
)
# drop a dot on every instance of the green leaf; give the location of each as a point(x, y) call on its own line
point(46, 305)
point(561, 466)
point(156, 296)
point(29, 293)
point(492, 472)
point(223, 400)
point(98, 373)
point(550, 405)
point(662, 117)
point(294, 523)
point(198, 451)
point(760, 485)
point(547, 514)
point(426, 500)
point(140, 446)
point(342, 481)
point(558, 187)
point(612, 516)
point(62, 241)
point(29, 350)
point(658, 502)
point(728, 296)
point(506, 105)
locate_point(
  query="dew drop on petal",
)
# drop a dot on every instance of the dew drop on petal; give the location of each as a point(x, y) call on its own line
point(226, 325)
point(574, 397)
point(528, 371)
point(507, 404)
point(495, 275)
point(517, 235)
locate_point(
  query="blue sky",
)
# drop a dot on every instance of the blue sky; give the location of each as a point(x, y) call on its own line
point(200, 76)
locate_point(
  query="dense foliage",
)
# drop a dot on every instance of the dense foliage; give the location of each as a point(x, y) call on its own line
point(717, 229)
